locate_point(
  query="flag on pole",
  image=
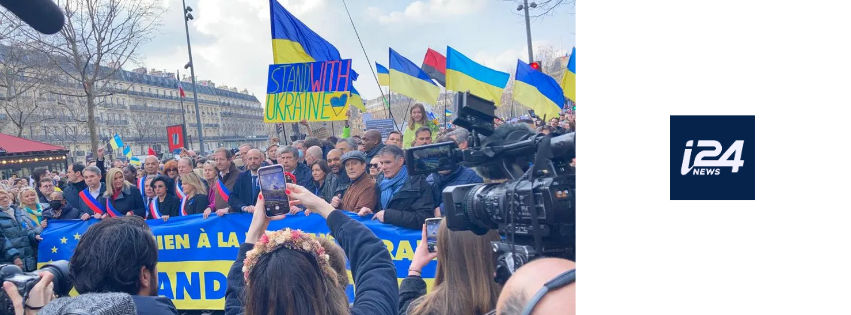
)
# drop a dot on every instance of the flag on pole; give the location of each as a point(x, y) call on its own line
point(448, 113)
point(180, 86)
point(464, 74)
point(411, 81)
point(537, 91)
point(434, 64)
point(116, 142)
point(568, 80)
point(356, 100)
point(383, 75)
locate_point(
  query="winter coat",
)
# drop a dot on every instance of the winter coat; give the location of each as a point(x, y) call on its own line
point(412, 205)
point(21, 232)
point(130, 199)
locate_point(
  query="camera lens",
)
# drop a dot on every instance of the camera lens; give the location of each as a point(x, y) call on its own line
point(61, 276)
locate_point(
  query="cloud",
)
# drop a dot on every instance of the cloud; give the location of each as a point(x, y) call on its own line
point(428, 12)
point(506, 61)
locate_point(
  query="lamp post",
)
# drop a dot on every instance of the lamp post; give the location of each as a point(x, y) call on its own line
point(186, 17)
point(525, 7)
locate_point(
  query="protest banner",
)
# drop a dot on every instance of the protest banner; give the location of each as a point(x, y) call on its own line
point(315, 91)
point(195, 254)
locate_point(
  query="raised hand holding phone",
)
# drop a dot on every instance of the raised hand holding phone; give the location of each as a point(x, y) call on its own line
point(273, 185)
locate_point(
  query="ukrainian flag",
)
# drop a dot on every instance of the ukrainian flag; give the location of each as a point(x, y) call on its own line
point(568, 80)
point(356, 100)
point(383, 75)
point(463, 74)
point(537, 91)
point(116, 142)
point(411, 81)
point(448, 113)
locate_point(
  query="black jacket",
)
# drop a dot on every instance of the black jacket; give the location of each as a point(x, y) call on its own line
point(412, 288)
point(412, 205)
point(196, 204)
point(372, 153)
point(243, 193)
point(170, 206)
point(303, 176)
point(372, 269)
point(153, 305)
point(130, 199)
point(83, 206)
point(72, 194)
point(66, 213)
point(21, 232)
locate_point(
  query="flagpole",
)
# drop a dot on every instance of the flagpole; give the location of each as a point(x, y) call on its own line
point(182, 109)
point(444, 111)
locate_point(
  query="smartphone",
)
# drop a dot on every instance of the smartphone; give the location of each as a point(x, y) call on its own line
point(273, 184)
point(432, 225)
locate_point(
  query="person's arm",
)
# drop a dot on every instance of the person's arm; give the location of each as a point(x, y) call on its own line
point(411, 289)
point(9, 251)
point(306, 125)
point(100, 163)
point(415, 216)
point(235, 200)
point(372, 269)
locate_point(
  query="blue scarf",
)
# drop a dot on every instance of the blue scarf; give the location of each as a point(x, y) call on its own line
point(390, 186)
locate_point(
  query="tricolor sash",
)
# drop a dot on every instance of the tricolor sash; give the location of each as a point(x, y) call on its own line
point(178, 188)
point(155, 209)
point(91, 202)
point(141, 185)
point(183, 206)
point(223, 190)
point(111, 209)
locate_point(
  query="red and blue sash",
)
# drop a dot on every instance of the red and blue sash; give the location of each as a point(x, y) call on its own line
point(179, 190)
point(155, 209)
point(183, 206)
point(223, 190)
point(141, 185)
point(91, 202)
point(111, 209)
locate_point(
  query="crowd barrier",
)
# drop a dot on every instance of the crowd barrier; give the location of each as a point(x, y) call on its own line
point(195, 254)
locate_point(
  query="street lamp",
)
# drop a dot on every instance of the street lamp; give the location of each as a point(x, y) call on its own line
point(186, 17)
point(525, 7)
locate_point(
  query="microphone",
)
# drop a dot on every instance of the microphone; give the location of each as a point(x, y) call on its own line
point(42, 15)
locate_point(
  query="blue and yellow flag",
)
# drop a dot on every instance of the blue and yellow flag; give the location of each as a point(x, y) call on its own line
point(463, 74)
point(356, 100)
point(411, 81)
point(116, 142)
point(537, 91)
point(383, 75)
point(568, 80)
point(448, 113)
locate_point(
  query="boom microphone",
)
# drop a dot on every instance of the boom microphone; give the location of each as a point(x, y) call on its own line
point(42, 15)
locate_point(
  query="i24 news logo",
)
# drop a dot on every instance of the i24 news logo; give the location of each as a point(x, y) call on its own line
point(712, 167)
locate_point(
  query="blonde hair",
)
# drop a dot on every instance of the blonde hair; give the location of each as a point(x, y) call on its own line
point(21, 194)
point(110, 177)
point(411, 121)
point(192, 179)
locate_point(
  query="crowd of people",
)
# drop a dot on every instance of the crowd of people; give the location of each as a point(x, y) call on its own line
point(360, 175)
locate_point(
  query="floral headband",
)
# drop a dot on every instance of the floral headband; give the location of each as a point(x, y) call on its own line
point(291, 239)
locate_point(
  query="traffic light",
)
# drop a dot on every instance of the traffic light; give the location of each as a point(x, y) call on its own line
point(536, 65)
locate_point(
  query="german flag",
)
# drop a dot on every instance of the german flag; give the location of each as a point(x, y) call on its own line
point(434, 65)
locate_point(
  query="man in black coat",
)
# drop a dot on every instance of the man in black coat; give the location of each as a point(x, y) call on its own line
point(152, 169)
point(372, 143)
point(247, 187)
point(71, 192)
point(405, 200)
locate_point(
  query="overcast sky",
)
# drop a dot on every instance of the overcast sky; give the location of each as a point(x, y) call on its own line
point(231, 39)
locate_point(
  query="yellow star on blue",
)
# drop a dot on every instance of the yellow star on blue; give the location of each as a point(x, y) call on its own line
point(76, 236)
point(54, 249)
point(64, 240)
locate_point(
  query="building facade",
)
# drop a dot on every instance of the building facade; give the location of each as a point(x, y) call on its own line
point(139, 105)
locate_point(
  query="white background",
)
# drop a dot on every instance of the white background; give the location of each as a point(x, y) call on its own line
point(788, 63)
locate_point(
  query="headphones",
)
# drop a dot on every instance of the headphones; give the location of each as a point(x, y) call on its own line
point(559, 281)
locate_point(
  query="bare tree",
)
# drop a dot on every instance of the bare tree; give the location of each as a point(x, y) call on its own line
point(99, 38)
point(23, 101)
point(544, 8)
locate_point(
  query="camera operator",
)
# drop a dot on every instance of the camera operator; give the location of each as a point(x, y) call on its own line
point(461, 175)
point(405, 200)
point(283, 260)
point(464, 282)
point(522, 289)
point(103, 262)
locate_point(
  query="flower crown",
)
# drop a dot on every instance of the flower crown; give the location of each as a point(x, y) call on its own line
point(291, 239)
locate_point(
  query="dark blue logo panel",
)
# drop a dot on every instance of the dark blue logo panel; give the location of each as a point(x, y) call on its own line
point(712, 157)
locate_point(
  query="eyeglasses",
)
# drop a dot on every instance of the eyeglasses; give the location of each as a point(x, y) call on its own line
point(371, 165)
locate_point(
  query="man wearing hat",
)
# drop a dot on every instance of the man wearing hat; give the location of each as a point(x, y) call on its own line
point(360, 191)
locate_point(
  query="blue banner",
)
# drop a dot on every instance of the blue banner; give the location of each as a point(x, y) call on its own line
point(196, 254)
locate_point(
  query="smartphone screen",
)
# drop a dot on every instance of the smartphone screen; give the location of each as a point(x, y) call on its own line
point(432, 226)
point(273, 185)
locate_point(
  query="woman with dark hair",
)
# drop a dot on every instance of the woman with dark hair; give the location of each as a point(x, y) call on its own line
point(321, 181)
point(165, 205)
point(271, 264)
point(463, 282)
point(120, 197)
point(417, 118)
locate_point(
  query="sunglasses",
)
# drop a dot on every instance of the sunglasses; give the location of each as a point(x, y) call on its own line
point(372, 165)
